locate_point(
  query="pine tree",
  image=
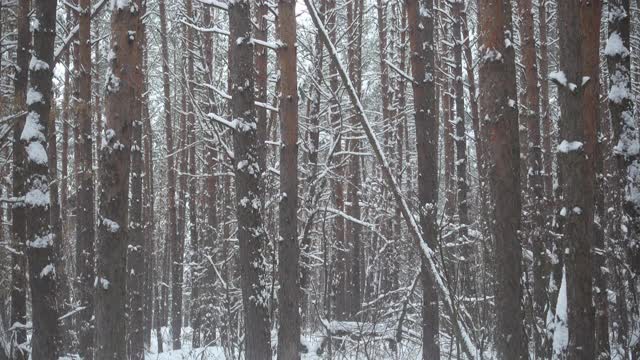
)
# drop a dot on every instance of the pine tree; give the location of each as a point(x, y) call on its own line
point(40, 237)
point(288, 250)
point(123, 84)
point(421, 38)
point(251, 235)
point(498, 106)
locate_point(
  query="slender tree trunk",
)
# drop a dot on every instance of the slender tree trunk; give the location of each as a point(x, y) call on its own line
point(531, 115)
point(353, 230)
point(288, 250)
point(548, 154)
point(340, 280)
point(459, 121)
point(190, 162)
point(625, 149)
point(262, 60)
point(177, 248)
point(122, 92)
point(210, 296)
point(621, 107)
point(251, 235)
point(85, 231)
point(421, 38)
point(41, 253)
point(18, 211)
point(311, 198)
point(575, 181)
point(449, 151)
point(135, 235)
point(64, 181)
point(172, 238)
point(498, 104)
point(63, 291)
point(590, 23)
point(148, 195)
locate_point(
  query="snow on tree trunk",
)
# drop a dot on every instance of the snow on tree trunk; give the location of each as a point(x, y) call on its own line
point(251, 234)
point(85, 214)
point(531, 115)
point(421, 39)
point(288, 251)
point(498, 105)
point(575, 180)
point(18, 219)
point(41, 254)
point(123, 83)
point(135, 237)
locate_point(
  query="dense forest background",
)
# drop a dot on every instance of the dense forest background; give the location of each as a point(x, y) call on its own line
point(371, 179)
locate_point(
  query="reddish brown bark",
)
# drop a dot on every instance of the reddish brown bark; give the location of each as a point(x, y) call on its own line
point(122, 89)
point(498, 105)
point(575, 181)
point(421, 39)
point(288, 250)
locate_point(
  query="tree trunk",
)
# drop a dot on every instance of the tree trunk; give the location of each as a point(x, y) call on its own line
point(590, 23)
point(192, 178)
point(251, 235)
point(210, 297)
point(18, 211)
point(262, 60)
point(42, 257)
point(148, 196)
point(576, 181)
point(135, 236)
point(353, 230)
point(341, 269)
point(460, 137)
point(500, 115)
point(124, 82)
point(85, 213)
point(288, 250)
point(625, 148)
point(531, 115)
point(172, 238)
point(63, 291)
point(421, 38)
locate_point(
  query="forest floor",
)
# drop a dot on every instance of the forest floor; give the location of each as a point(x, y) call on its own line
point(354, 350)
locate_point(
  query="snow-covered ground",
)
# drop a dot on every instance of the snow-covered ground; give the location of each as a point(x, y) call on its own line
point(351, 349)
